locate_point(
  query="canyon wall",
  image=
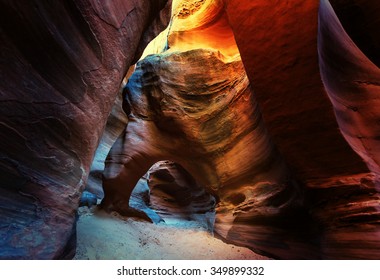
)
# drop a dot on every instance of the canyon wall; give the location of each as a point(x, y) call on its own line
point(347, 60)
point(283, 63)
point(62, 63)
point(264, 112)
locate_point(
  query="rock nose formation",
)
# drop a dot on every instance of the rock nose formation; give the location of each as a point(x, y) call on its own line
point(205, 120)
point(62, 63)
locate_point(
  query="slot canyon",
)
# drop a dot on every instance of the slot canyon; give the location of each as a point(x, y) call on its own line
point(256, 121)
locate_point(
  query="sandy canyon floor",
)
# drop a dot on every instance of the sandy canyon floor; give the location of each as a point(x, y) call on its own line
point(103, 236)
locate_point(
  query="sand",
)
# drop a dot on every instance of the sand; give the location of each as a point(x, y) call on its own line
point(102, 236)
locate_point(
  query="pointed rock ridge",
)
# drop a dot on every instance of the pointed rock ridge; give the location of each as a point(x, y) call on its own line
point(352, 82)
point(62, 65)
point(189, 101)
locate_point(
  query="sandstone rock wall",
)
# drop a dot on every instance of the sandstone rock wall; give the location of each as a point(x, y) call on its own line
point(351, 80)
point(192, 104)
point(270, 107)
point(282, 61)
point(62, 63)
point(298, 183)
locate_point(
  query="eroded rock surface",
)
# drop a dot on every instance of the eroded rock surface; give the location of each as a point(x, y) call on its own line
point(352, 82)
point(194, 111)
point(175, 195)
point(62, 63)
point(284, 150)
point(314, 198)
point(281, 58)
point(181, 109)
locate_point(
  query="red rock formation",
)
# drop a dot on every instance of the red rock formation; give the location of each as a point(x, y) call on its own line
point(257, 206)
point(282, 143)
point(352, 82)
point(208, 121)
point(189, 111)
point(62, 65)
point(176, 195)
point(281, 59)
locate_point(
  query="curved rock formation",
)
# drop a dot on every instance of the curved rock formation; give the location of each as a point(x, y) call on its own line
point(281, 58)
point(181, 109)
point(278, 45)
point(182, 117)
point(259, 205)
point(208, 122)
point(176, 195)
point(196, 24)
point(352, 82)
point(62, 63)
point(283, 150)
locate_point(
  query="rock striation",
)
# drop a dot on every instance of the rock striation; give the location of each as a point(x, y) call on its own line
point(294, 174)
point(286, 70)
point(62, 63)
point(349, 67)
point(257, 118)
point(352, 81)
point(181, 109)
point(281, 59)
point(175, 195)
point(209, 123)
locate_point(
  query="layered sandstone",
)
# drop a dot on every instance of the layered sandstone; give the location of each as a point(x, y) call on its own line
point(62, 65)
point(181, 109)
point(313, 196)
point(208, 122)
point(190, 117)
point(265, 113)
point(175, 195)
point(281, 59)
point(352, 82)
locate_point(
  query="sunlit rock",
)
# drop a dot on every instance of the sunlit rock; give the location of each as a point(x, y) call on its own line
point(192, 104)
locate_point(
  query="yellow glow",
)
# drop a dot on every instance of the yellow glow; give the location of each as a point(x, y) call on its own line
point(196, 24)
